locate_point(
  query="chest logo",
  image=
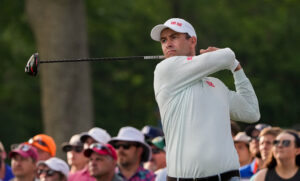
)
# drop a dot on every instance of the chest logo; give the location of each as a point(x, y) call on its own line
point(210, 83)
point(189, 58)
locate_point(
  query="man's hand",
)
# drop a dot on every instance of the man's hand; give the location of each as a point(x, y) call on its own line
point(209, 49)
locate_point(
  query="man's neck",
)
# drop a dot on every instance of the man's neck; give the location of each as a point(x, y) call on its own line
point(107, 177)
point(77, 168)
point(129, 171)
point(25, 178)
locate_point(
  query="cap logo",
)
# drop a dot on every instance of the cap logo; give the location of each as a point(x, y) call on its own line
point(176, 23)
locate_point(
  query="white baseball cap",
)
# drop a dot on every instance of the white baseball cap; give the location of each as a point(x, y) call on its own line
point(98, 134)
point(56, 164)
point(132, 134)
point(242, 137)
point(176, 24)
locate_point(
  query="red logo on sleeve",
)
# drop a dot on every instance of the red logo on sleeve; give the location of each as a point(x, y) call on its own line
point(210, 83)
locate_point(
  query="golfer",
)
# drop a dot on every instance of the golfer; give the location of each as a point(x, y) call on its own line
point(196, 109)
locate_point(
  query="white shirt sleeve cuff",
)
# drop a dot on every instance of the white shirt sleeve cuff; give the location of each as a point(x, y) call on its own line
point(239, 76)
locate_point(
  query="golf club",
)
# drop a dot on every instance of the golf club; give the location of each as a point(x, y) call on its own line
point(32, 65)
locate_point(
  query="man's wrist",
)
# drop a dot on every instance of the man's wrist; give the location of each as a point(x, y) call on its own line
point(239, 67)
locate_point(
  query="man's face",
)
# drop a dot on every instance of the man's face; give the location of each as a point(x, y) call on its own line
point(254, 144)
point(88, 142)
point(76, 157)
point(128, 153)
point(158, 159)
point(101, 165)
point(243, 152)
point(47, 174)
point(22, 166)
point(43, 155)
point(265, 145)
point(176, 44)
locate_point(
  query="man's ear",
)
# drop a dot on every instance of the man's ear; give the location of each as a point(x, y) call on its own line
point(297, 151)
point(194, 40)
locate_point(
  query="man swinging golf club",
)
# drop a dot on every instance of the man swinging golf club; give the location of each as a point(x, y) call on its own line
point(196, 109)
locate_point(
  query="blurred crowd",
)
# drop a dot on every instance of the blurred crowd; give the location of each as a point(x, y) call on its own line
point(265, 153)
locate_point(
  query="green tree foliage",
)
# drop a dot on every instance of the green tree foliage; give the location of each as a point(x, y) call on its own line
point(264, 35)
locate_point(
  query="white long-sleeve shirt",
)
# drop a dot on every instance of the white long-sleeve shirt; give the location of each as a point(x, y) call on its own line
point(196, 111)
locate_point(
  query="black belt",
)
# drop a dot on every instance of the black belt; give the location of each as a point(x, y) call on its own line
point(224, 177)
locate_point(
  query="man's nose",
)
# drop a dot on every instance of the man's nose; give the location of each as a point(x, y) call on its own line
point(169, 43)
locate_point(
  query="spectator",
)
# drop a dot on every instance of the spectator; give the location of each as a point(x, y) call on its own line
point(158, 159)
point(94, 135)
point(45, 146)
point(285, 162)
point(235, 128)
point(53, 169)
point(75, 156)
point(102, 162)
point(5, 170)
point(253, 131)
point(241, 143)
point(266, 138)
point(23, 162)
point(132, 151)
point(151, 132)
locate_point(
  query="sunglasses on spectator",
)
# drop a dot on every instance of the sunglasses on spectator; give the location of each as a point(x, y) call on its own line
point(22, 147)
point(100, 146)
point(125, 146)
point(77, 149)
point(284, 143)
point(49, 172)
point(156, 150)
point(39, 141)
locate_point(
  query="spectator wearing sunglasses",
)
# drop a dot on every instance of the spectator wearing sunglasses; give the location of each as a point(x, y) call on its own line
point(75, 156)
point(53, 169)
point(285, 161)
point(132, 151)
point(158, 159)
point(5, 170)
point(102, 162)
point(23, 162)
point(94, 135)
point(45, 145)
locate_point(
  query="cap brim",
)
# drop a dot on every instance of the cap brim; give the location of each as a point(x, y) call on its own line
point(88, 152)
point(156, 31)
point(13, 153)
point(147, 149)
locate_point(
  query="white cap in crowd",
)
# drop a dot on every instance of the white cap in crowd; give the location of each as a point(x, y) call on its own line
point(133, 135)
point(98, 134)
point(242, 137)
point(176, 24)
point(56, 164)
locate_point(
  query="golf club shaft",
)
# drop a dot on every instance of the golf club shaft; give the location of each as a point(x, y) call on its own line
point(154, 57)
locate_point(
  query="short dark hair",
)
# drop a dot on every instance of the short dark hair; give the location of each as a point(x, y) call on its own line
point(187, 36)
